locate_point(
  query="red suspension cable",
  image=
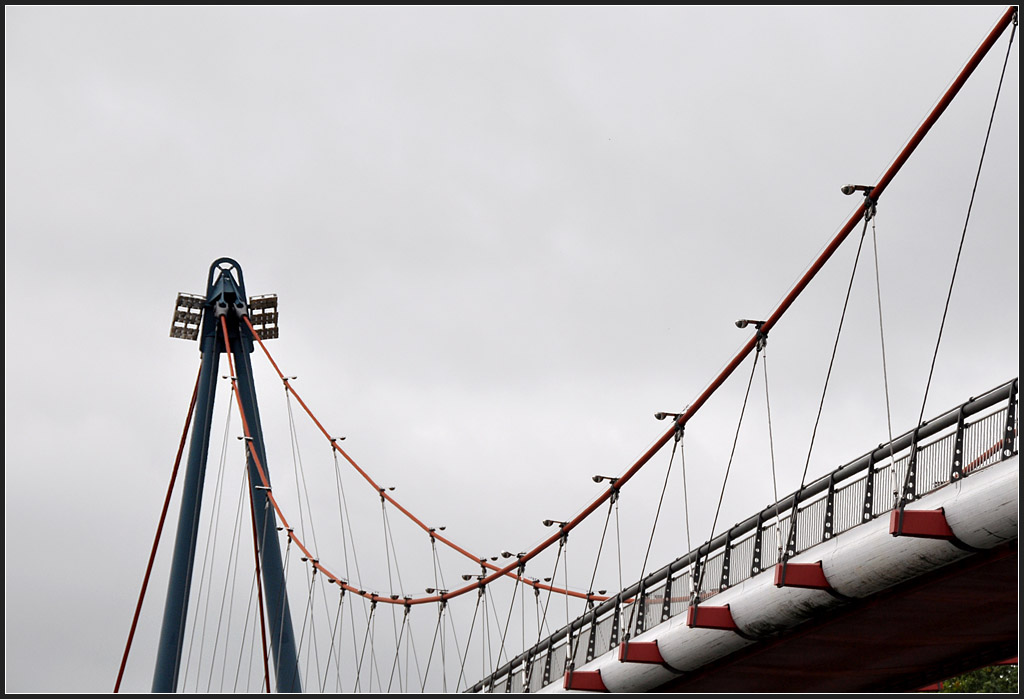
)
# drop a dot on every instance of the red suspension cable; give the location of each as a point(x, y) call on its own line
point(259, 592)
point(694, 407)
point(156, 539)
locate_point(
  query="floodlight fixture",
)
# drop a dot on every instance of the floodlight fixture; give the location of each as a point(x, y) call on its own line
point(188, 314)
point(610, 479)
point(264, 316)
point(744, 322)
point(849, 189)
point(660, 416)
point(550, 522)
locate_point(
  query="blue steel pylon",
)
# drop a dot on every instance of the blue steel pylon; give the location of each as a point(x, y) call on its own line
point(225, 298)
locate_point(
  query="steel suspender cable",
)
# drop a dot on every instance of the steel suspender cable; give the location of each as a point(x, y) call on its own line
point(835, 348)
point(885, 369)
point(226, 600)
point(728, 467)
point(259, 591)
point(331, 653)
point(618, 538)
point(387, 558)
point(960, 249)
point(410, 646)
point(300, 487)
point(207, 556)
point(246, 638)
point(593, 576)
point(346, 532)
point(791, 547)
point(433, 643)
point(565, 576)
point(491, 661)
point(650, 541)
point(346, 538)
point(771, 448)
point(302, 491)
point(287, 556)
point(469, 639)
point(398, 648)
point(508, 620)
point(547, 601)
point(455, 640)
point(362, 653)
point(686, 497)
point(156, 539)
point(312, 628)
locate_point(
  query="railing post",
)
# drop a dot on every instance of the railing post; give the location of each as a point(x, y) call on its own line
point(723, 582)
point(910, 482)
point(1011, 422)
point(957, 471)
point(616, 620)
point(829, 526)
point(528, 672)
point(666, 604)
point(695, 581)
point(592, 640)
point(795, 519)
point(639, 604)
point(755, 559)
point(868, 510)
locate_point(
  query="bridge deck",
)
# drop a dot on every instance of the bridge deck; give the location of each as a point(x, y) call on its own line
point(886, 607)
point(894, 641)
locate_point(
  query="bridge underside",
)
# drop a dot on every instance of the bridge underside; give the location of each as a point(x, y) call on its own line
point(894, 641)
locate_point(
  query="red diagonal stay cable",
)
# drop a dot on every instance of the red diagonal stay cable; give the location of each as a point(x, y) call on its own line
point(159, 530)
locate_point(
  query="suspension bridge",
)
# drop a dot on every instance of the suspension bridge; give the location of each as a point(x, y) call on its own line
point(893, 570)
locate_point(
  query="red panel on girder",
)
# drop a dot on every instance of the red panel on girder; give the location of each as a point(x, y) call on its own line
point(925, 524)
point(806, 575)
point(584, 681)
point(704, 617)
point(640, 652)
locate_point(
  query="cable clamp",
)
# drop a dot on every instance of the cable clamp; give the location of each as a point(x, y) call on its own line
point(870, 206)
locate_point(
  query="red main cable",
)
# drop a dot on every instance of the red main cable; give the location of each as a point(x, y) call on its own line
point(259, 592)
point(788, 301)
point(381, 491)
point(159, 530)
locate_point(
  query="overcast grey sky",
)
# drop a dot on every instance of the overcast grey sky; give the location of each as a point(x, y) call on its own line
point(502, 238)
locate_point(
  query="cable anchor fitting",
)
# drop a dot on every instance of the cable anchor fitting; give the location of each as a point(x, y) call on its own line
point(870, 204)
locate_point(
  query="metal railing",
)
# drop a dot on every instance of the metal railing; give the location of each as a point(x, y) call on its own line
point(947, 448)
